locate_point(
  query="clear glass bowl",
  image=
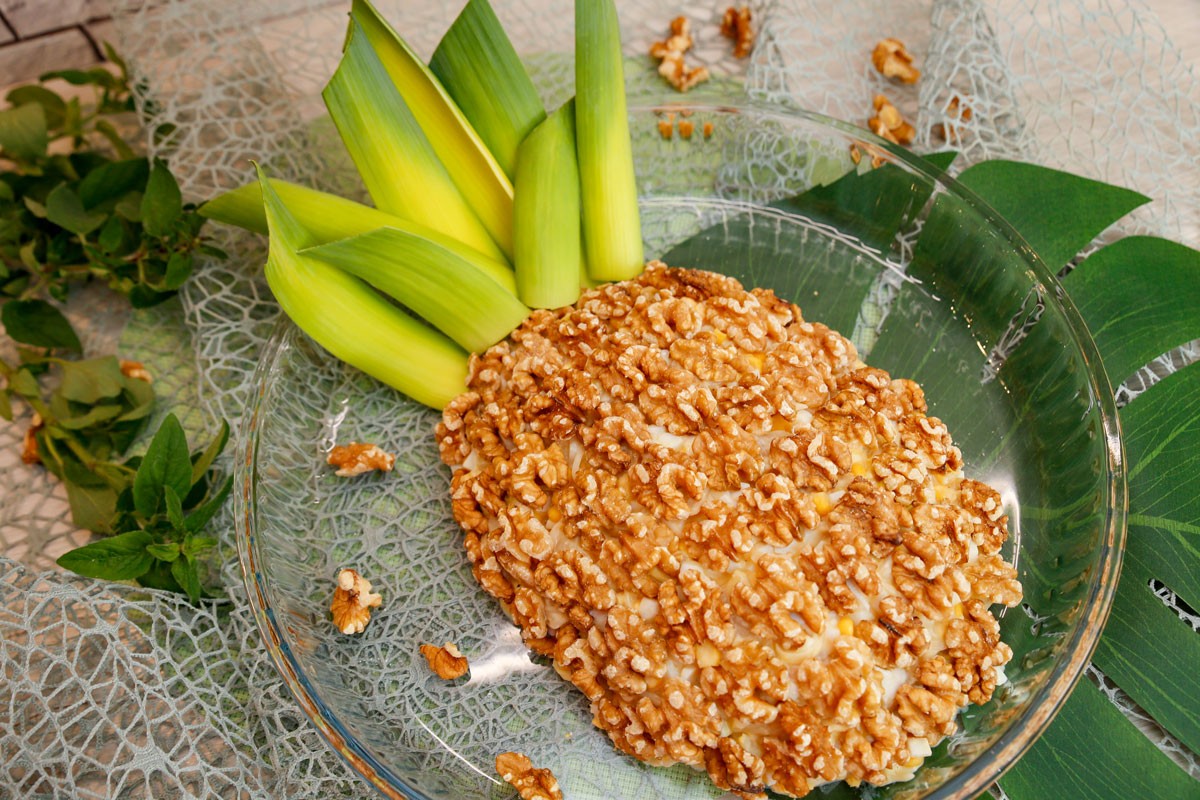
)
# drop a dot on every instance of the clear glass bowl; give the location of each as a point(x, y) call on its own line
point(929, 283)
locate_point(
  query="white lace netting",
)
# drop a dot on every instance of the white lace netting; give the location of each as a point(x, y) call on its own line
point(113, 691)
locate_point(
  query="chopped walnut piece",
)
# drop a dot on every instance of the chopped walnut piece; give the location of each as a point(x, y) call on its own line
point(356, 458)
point(735, 24)
point(136, 370)
point(352, 602)
point(889, 124)
point(893, 60)
point(671, 64)
point(956, 111)
point(29, 445)
point(751, 552)
point(531, 783)
point(445, 661)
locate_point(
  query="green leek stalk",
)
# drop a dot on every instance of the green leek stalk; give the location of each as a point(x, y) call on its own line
point(612, 231)
point(329, 217)
point(448, 291)
point(470, 164)
point(352, 321)
point(393, 155)
point(479, 67)
point(546, 230)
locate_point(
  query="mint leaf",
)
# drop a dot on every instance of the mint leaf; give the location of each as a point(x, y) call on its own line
point(112, 180)
point(166, 464)
point(64, 209)
point(92, 507)
point(118, 558)
point(185, 571)
point(162, 203)
point(206, 459)
point(195, 522)
point(37, 323)
point(54, 108)
point(23, 133)
point(92, 380)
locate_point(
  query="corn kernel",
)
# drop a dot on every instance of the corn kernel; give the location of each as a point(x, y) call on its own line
point(860, 468)
point(720, 336)
point(957, 610)
point(665, 129)
point(914, 762)
point(685, 128)
point(708, 129)
point(845, 626)
point(822, 503)
point(553, 514)
point(707, 655)
point(756, 360)
point(779, 423)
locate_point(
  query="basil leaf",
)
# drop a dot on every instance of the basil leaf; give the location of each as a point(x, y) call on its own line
point(92, 380)
point(164, 552)
point(166, 464)
point(174, 507)
point(53, 106)
point(186, 572)
point(64, 209)
point(113, 180)
point(23, 134)
point(196, 521)
point(205, 460)
point(37, 323)
point(162, 203)
point(118, 558)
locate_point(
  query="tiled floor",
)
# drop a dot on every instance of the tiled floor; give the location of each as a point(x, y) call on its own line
point(37, 36)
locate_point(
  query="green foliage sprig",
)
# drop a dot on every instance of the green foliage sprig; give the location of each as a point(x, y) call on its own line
point(78, 204)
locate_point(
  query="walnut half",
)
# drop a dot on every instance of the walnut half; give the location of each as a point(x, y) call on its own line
point(893, 60)
point(356, 458)
point(352, 602)
point(530, 782)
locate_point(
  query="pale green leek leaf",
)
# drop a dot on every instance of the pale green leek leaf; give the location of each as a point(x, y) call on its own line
point(451, 293)
point(470, 164)
point(328, 217)
point(480, 69)
point(395, 159)
point(548, 250)
point(612, 231)
point(355, 323)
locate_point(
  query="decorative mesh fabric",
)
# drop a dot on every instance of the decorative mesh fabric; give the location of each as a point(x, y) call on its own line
point(108, 690)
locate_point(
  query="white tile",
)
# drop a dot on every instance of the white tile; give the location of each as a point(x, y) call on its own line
point(26, 60)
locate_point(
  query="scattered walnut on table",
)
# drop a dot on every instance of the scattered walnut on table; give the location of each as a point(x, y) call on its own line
point(135, 369)
point(531, 783)
point(957, 112)
point(893, 60)
point(447, 661)
point(357, 458)
point(29, 445)
point(352, 602)
point(888, 123)
point(670, 55)
point(736, 25)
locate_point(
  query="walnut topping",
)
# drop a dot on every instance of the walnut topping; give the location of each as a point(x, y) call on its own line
point(888, 124)
point(750, 551)
point(445, 661)
point(356, 458)
point(893, 60)
point(735, 24)
point(136, 370)
point(530, 782)
point(29, 444)
point(671, 64)
point(352, 602)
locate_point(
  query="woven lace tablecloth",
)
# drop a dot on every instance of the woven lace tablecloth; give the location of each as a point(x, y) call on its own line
point(110, 691)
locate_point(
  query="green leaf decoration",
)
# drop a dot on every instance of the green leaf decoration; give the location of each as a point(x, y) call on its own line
point(166, 464)
point(164, 552)
point(23, 133)
point(162, 202)
point(195, 522)
point(159, 577)
point(54, 108)
point(117, 558)
point(1140, 297)
point(65, 209)
point(92, 507)
point(1092, 752)
point(91, 381)
point(1056, 212)
point(186, 573)
point(204, 460)
point(37, 323)
point(174, 507)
